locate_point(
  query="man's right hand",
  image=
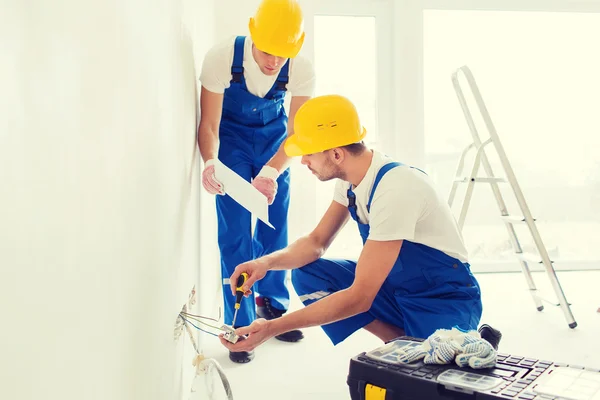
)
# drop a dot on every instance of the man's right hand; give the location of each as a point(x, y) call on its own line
point(210, 183)
point(256, 270)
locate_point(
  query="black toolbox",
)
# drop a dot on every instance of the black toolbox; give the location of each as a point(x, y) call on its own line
point(377, 375)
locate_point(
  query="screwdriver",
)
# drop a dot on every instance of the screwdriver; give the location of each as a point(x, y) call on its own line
point(239, 294)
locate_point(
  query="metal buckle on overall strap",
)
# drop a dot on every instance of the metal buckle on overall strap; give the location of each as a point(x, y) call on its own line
point(282, 83)
point(351, 200)
point(236, 74)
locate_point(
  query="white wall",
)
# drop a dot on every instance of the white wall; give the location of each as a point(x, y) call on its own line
point(233, 17)
point(407, 63)
point(99, 205)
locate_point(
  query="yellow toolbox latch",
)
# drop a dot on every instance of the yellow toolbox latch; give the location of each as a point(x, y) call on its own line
point(373, 392)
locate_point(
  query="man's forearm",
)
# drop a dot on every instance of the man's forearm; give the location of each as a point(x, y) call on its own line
point(335, 307)
point(280, 161)
point(208, 142)
point(303, 251)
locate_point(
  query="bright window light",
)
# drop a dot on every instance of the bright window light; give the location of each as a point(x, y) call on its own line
point(538, 74)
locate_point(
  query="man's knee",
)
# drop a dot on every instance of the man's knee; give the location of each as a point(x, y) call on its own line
point(298, 279)
point(301, 276)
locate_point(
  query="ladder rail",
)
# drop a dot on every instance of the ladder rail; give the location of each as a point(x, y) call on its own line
point(459, 169)
point(528, 217)
point(495, 188)
point(512, 178)
point(471, 187)
point(477, 141)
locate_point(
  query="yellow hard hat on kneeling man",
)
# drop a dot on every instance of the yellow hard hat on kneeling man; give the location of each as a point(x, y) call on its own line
point(323, 123)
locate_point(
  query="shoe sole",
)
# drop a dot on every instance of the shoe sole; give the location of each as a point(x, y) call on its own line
point(242, 360)
point(289, 340)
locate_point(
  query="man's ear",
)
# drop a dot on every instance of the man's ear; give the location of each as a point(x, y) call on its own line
point(337, 155)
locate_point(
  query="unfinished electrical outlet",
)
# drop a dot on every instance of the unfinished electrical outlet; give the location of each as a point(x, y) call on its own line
point(179, 324)
point(229, 334)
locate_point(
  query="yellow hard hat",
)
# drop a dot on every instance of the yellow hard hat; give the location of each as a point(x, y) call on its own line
point(323, 123)
point(278, 28)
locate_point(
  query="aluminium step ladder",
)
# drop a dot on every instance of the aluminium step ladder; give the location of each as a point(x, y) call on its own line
point(481, 159)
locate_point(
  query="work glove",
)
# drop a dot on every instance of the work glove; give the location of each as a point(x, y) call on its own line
point(266, 183)
point(210, 183)
point(445, 346)
point(479, 354)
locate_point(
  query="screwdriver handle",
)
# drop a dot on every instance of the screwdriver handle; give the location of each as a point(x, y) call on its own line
point(239, 292)
point(240, 282)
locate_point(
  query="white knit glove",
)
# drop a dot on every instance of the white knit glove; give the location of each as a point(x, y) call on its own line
point(445, 346)
point(479, 354)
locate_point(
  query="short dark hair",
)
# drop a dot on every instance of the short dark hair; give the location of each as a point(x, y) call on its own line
point(355, 149)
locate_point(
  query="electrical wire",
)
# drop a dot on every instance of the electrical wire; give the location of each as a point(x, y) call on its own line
point(200, 316)
point(200, 329)
point(224, 380)
point(209, 362)
point(202, 322)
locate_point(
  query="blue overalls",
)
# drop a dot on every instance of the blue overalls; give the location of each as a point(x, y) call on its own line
point(251, 131)
point(426, 289)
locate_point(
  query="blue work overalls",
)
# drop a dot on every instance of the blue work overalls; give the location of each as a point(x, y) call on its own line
point(425, 290)
point(251, 130)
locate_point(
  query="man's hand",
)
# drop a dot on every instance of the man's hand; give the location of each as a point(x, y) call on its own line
point(266, 182)
point(257, 333)
point(256, 270)
point(210, 183)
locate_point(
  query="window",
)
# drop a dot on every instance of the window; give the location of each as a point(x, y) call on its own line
point(350, 52)
point(346, 64)
point(541, 88)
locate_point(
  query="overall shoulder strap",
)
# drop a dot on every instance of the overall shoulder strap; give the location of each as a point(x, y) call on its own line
point(352, 203)
point(237, 66)
point(284, 77)
point(382, 171)
point(279, 88)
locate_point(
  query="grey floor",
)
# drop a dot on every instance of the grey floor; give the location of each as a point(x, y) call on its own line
point(315, 369)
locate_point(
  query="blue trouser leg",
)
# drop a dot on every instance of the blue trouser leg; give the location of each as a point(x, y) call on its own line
point(441, 305)
point(267, 240)
point(323, 277)
point(235, 244)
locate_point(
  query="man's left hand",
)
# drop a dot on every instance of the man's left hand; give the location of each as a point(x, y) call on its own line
point(258, 332)
point(266, 186)
point(266, 182)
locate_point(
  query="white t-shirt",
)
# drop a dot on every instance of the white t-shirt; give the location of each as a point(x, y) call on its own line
point(216, 71)
point(406, 206)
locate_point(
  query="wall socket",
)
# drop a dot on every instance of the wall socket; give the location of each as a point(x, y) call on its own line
point(187, 306)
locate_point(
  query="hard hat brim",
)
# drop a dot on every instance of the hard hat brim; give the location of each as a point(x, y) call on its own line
point(287, 51)
point(294, 147)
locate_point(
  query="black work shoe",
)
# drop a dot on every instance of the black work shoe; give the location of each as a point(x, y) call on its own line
point(266, 310)
point(491, 335)
point(241, 357)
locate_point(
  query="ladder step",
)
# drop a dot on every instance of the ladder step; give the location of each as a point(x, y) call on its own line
point(514, 219)
point(530, 258)
point(466, 179)
point(551, 302)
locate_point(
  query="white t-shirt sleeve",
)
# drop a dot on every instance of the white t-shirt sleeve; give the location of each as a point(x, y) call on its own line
point(216, 68)
point(396, 209)
point(340, 193)
point(302, 77)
